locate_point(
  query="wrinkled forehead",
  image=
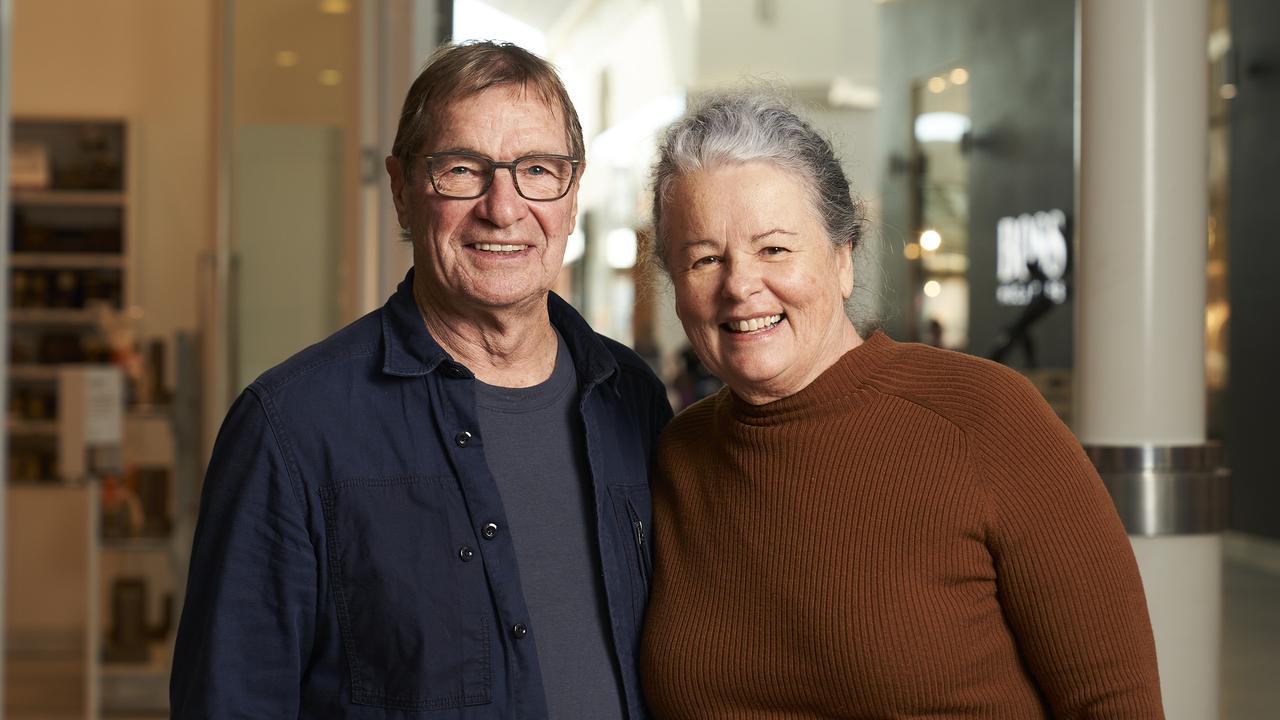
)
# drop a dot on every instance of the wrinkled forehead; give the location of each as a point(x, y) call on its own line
point(539, 111)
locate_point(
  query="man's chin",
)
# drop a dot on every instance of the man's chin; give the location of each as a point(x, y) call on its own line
point(506, 299)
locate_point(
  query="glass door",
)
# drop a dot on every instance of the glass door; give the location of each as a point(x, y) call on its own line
point(938, 258)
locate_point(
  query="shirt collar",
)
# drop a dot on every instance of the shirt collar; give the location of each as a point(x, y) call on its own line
point(411, 351)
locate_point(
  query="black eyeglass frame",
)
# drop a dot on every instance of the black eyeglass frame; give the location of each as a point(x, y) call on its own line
point(494, 166)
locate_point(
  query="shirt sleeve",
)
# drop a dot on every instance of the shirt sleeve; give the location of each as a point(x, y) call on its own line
point(1067, 579)
point(246, 627)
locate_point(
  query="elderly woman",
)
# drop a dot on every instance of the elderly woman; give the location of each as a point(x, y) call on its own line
point(854, 527)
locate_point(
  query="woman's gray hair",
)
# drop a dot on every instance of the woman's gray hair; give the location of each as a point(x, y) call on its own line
point(740, 128)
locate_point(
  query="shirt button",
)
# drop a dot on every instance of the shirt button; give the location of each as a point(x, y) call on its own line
point(489, 531)
point(462, 439)
point(519, 631)
point(457, 371)
point(466, 553)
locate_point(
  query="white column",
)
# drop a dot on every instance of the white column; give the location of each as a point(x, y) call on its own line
point(1140, 292)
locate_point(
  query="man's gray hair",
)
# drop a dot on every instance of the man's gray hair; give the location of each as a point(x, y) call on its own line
point(740, 128)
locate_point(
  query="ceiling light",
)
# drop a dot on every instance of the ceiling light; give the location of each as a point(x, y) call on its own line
point(941, 127)
point(959, 76)
point(932, 289)
point(930, 240)
point(286, 58)
point(330, 77)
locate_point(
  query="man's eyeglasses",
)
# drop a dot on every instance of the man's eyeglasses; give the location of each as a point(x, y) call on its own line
point(464, 176)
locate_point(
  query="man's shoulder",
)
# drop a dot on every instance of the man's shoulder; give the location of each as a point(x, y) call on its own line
point(630, 364)
point(347, 350)
point(632, 369)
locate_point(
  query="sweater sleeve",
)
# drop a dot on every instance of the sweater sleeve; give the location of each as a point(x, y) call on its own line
point(1067, 579)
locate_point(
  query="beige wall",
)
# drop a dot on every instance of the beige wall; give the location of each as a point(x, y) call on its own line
point(151, 63)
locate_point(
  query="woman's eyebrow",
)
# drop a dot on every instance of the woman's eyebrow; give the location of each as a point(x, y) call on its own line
point(690, 244)
point(767, 233)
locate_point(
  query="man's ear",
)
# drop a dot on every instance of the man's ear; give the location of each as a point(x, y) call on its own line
point(399, 190)
point(573, 209)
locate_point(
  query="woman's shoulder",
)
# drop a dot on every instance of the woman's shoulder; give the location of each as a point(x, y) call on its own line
point(970, 391)
point(697, 417)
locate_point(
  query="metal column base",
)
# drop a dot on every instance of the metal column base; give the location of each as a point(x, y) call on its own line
point(1165, 490)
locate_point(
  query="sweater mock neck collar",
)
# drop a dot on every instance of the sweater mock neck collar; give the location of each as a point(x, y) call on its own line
point(836, 382)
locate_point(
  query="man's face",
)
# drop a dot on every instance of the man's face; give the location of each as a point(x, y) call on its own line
point(498, 251)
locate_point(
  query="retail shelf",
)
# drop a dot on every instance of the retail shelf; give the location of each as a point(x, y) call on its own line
point(66, 261)
point(53, 316)
point(33, 427)
point(136, 544)
point(136, 690)
point(148, 411)
point(33, 372)
point(68, 198)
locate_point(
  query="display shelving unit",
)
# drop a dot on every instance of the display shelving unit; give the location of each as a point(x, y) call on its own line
point(88, 642)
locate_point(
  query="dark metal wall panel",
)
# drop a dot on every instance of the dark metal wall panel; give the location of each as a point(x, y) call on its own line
point(1021, 58)
point(1253, 396)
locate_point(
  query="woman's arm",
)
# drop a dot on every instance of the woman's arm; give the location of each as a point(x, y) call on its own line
point(1067, 579)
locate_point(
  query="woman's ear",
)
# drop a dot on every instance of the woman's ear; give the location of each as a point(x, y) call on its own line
point(844, 265)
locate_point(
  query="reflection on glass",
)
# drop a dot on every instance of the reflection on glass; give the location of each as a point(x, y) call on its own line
point(938, 258)
point(293, 134)
point(1222, 91)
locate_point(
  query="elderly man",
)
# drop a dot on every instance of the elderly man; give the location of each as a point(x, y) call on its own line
point(441, 510)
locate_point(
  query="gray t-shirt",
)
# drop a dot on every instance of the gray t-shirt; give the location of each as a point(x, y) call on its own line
point(535, 446)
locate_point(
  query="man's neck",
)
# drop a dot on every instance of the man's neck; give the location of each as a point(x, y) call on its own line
point(513, 347)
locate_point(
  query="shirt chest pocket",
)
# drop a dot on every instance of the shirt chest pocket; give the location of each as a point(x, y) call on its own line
point(410, 592)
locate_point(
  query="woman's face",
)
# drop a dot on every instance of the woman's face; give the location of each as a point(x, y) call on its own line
point(759, 287)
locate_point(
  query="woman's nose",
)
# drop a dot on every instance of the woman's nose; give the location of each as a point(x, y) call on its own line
point(741, 279)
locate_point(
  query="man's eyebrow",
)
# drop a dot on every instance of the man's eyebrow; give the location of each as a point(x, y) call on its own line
point(775, 231)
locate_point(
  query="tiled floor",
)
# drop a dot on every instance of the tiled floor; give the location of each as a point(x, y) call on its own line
point(1251, 629)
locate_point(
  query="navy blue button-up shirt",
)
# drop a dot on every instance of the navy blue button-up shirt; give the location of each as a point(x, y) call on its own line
point(327, 578)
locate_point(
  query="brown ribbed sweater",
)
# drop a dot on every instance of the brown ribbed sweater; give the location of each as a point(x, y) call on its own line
point(913, 535)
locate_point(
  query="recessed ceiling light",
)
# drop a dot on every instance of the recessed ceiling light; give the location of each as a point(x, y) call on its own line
point(286, 58)
point(330, 77)
point(335, 7)
point(930, 240)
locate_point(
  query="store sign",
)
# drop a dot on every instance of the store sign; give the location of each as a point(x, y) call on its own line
point(1031, 258)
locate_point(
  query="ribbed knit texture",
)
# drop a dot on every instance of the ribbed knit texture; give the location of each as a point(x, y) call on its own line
point(914, 534)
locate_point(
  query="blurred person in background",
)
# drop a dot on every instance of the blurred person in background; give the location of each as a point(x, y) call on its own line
point(441, 510)
point(854, 527)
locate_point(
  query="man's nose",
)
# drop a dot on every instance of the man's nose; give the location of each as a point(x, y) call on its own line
point(502, 204)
